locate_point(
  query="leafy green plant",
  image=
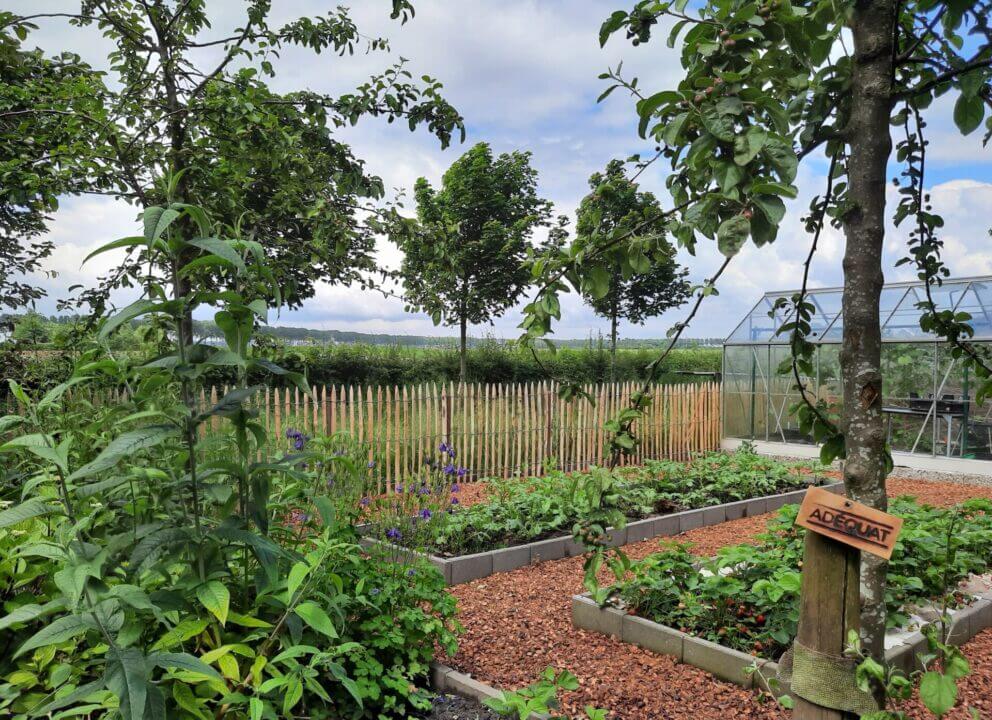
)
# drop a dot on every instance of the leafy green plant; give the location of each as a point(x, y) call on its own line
point(747, 596)
point(147, 576)
point(540, 697)
point(587, 503)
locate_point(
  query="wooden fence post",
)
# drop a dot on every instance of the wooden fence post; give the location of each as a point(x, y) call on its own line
point(829, 608)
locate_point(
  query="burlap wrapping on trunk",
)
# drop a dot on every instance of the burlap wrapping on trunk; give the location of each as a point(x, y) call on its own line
point(824, 679)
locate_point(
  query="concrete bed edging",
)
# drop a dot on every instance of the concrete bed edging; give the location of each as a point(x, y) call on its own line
point(465, 568)
point(447, 679)
point(746, 670)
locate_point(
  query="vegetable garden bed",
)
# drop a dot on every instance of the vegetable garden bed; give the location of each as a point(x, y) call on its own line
point(651, 497)
point(737, 612)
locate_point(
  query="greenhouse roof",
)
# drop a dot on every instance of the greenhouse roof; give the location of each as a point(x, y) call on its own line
point(899, 312)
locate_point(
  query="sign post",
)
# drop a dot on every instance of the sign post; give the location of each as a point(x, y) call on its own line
point(840, 530)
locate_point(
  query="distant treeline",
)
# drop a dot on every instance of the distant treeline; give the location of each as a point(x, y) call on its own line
point(491, 362)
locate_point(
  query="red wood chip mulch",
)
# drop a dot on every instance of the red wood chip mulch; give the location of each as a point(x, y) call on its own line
point(518, 623)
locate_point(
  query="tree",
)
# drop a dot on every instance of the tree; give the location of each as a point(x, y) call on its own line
point(616, 204)
point(463, 257)
point(31, 328)
point(188, 115)
point(770, 84)
point(33, 151)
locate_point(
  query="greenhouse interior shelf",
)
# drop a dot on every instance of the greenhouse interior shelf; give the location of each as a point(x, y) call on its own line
point(928, 397)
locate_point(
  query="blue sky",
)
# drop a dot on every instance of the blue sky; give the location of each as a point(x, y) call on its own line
point(523, 73)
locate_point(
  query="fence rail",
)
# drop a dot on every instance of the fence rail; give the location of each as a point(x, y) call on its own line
point(498, 430)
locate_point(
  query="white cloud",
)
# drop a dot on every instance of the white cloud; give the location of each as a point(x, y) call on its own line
point(523, 73)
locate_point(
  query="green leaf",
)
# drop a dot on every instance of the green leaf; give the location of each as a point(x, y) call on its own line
point(138, 307)
point(157, 220)
point(216, 598)
point(771, 206)
point(748, 145)
point(938, 692)
point(32, 611)
point(69, 699)
point(220, 248)
point(186, 700)
point(183, 661)
point(718, 124)
point(783, 159)
point(732, 234)
point(969, 111)
point(123, 242)
point(56, 632)
point(124, 446)
point(314, 616)
point(127, 678)
point(35, 507)
point(190, 627)
point(297, 573)
point(294, 692)
point(647, 107)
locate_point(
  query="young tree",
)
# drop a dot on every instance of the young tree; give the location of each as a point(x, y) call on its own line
point(616, 204)
point(463, 257)
point(191, 103)
point(767, 85)
point(31, 328)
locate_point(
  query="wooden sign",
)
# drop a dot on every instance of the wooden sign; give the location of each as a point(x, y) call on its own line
point(849, 522)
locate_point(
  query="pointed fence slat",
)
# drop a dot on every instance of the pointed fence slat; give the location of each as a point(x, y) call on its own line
point(498, 430)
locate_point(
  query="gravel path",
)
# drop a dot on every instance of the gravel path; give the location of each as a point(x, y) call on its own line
point(518, 623)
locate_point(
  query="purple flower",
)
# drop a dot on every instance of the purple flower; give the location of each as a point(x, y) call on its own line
point(455, 487)
point(330, 483)
point(425, 514)
point(411, 572)
point(300, 516)
point(424, 490)
point(399, 488)
point(394, 534)
point(374, 591)
point(454, 501)
point(443, 447)
point(451, 453)
point(364, 502)
point(371, 464)
point(291, 433)
point(301, 441)
point(449, 469)
point(462, 472)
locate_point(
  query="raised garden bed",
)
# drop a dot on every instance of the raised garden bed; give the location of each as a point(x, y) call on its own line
point(464, 568)
point(668, 586)
point(746, 670)
point(527, 521)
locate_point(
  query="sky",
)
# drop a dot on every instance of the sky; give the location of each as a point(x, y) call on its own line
point(523, 73)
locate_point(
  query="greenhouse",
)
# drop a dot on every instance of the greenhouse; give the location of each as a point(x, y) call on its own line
point(928, 397)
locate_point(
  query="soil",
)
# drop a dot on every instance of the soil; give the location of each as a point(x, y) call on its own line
point(453, 707)
point(519, 623)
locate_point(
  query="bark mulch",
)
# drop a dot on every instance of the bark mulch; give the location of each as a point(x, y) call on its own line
point(973, 690)
point(518, 623)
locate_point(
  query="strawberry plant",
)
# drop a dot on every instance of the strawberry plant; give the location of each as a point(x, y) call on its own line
point(747, 596)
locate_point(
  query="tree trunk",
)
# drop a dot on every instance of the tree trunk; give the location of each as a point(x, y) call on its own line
point(462, 367)
point(613, 346)
point(864, 228)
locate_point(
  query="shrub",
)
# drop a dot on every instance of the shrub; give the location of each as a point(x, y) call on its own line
point(145, 576)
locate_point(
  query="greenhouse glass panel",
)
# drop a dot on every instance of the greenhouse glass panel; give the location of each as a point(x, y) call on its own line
point(928, 398)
